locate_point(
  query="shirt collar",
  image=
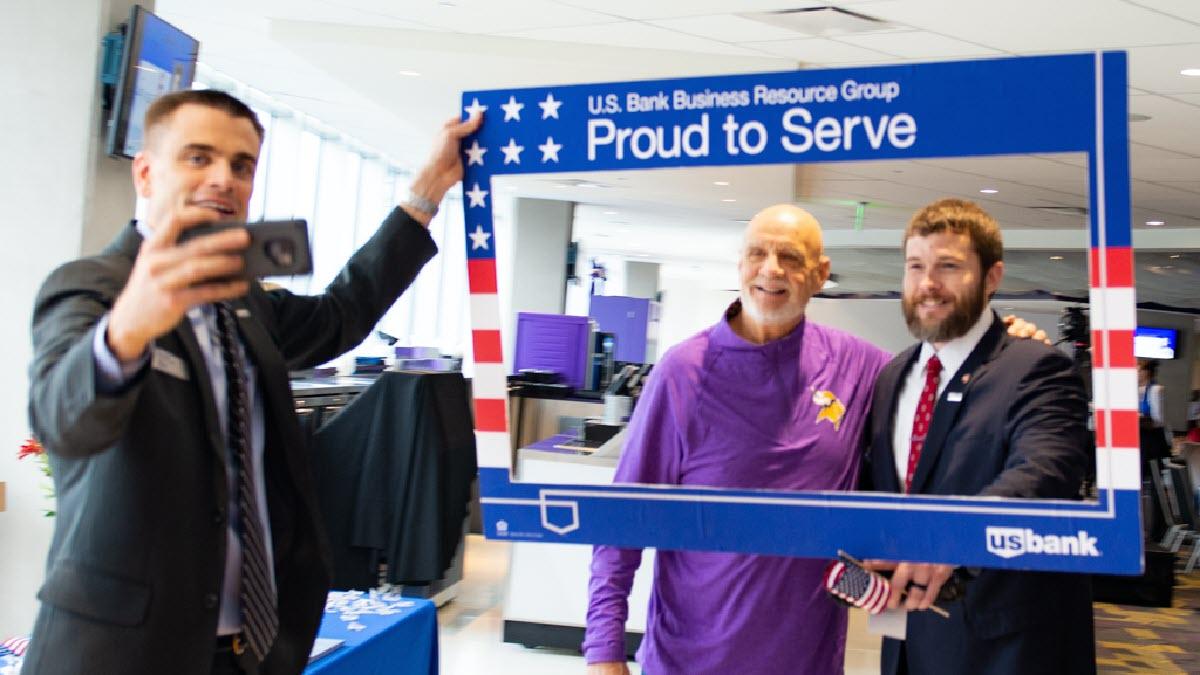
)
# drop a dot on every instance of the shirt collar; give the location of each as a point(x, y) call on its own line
point(955, 352)
point(724, 335)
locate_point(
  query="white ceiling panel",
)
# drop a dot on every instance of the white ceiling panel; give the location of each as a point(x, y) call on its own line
point(918, 45)
point(821, 51)
point(636, 35)
point(1040, 26)
point(1188, 10)
point(727, 28)
point(1168, 126)
point(1167, 170)
point(670, 9)
point(1157, 68)
point(478, 16)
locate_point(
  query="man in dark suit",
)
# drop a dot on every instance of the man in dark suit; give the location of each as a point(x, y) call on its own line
point(187, 538)
point(971, 411)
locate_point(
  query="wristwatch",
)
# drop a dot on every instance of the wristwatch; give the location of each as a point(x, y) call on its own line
point(422, 204)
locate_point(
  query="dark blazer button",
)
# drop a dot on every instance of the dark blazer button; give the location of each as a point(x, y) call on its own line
point(210, 601)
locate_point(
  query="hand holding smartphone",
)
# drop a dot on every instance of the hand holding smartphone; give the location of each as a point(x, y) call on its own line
point(278, 248)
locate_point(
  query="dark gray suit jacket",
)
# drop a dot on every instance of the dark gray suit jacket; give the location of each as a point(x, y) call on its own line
point(134, 574)
point(1019, 430)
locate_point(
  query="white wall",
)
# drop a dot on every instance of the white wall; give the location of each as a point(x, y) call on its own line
point(49, 71)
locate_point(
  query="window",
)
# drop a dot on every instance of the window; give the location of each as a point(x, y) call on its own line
point(308, 170)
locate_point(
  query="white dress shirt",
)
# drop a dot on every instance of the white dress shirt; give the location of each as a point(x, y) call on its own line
point(952, 355)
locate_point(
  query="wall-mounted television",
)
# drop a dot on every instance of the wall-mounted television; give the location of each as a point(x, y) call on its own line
point(156, 58)
point(1155, 343)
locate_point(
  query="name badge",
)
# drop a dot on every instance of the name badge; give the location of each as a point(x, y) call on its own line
point(954, 397)
point(166, 362)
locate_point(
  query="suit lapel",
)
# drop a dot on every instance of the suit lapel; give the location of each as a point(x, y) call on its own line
point(888, 386)
point(186, 338)
point(954, 399)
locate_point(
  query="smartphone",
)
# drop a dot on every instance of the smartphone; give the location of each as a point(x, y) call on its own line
point(278, 248)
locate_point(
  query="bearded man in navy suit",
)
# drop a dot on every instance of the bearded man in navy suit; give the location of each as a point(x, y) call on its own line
point(969, 410)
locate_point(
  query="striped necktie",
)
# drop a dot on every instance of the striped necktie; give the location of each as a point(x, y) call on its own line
point(260, 617)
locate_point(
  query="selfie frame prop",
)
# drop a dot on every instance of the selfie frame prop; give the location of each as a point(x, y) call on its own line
point(1043, 104)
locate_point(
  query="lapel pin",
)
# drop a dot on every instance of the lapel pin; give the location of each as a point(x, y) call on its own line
point(966, 378)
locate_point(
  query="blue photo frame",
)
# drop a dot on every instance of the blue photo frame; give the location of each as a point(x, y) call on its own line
point(1042, 104)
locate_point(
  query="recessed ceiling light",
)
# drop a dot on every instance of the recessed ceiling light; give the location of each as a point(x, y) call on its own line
point(1056, 257)
point(1155, 223)
point(989, 191)
point(721, 183)
point(1190, 72)
point(408, 73)
point(610, 213)
point(1174, 256)
point(729, 199)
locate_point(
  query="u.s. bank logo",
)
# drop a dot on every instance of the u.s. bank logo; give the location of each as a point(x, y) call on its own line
point(1010, 542)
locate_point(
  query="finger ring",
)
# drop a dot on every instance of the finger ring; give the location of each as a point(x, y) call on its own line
point(913, 584)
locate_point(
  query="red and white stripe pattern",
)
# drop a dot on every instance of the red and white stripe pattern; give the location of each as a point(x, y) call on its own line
point(856, 586)
point(16, 645)
point(489, 384)
point(1113, 317)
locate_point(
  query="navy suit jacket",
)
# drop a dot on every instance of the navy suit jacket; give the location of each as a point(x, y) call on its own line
point(1012, 422)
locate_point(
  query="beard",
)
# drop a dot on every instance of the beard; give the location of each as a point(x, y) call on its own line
point(963, 316)
point(770, 317)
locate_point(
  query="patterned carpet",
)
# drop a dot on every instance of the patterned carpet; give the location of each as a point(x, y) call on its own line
point(1152, 640)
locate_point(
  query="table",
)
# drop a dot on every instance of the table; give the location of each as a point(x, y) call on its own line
point(380, 632)
point(400, 640)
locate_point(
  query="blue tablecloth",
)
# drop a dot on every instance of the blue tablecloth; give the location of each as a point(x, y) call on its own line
point(403, 643)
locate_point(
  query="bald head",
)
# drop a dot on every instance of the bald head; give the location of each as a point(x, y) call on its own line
point(791, 221)
point(782, 265)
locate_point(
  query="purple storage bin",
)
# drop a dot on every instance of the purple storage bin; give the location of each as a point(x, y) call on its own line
point(553, 342)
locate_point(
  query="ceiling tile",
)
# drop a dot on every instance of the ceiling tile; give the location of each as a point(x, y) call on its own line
point(1187, 10)
point(667, 9)
point(1039, 26)
point(819, 51)
point(727, 28)
point(634, 34)
point(1157, 68)
point(918, 45)
point(481, 16)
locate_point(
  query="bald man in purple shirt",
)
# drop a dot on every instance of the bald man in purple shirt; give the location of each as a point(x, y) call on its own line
point(762, 399)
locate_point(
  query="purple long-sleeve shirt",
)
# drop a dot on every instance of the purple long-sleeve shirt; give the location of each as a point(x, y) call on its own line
point(720, 411)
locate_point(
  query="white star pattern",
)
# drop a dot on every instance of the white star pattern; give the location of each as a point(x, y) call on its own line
point(475, 153)
point(476, 196)
point(550, 150)
point(475, 107)
point(512, 109)
point(479, 238)
point(512, 152)
point(549, 107)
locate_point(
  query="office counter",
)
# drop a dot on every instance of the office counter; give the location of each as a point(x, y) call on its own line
point(546, 602)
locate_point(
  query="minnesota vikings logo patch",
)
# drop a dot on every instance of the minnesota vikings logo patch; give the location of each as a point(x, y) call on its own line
point(832, 410)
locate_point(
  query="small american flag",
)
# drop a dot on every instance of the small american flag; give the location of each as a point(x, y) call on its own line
point(853, 585)
point(15, 645)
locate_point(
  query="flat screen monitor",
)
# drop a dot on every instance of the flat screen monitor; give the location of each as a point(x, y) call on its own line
point(157, 58)
point(1154, 343)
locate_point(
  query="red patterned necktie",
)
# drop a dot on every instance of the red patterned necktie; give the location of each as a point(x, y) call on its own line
point(933, 368)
